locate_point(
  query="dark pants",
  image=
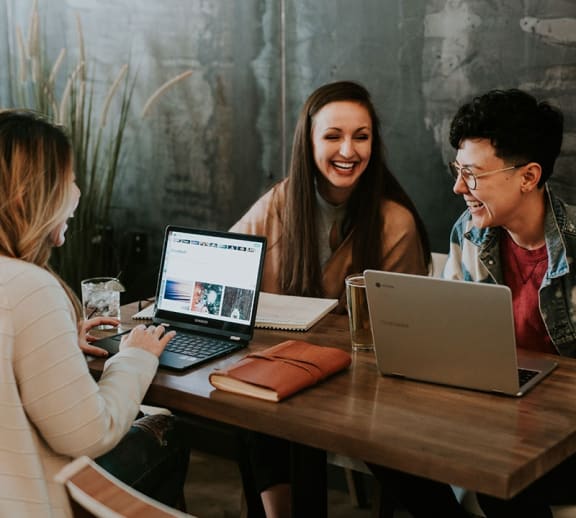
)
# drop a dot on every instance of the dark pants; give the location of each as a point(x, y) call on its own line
point(268, 459)
point(267, 463)
point(557, 487)
point(422, 497)
point(152, 458)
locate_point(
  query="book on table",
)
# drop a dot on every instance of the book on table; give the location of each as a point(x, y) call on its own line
point(290, 312)
point(280, 371)
point(286, 312)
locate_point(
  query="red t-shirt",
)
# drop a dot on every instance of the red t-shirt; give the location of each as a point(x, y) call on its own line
point(523, 273)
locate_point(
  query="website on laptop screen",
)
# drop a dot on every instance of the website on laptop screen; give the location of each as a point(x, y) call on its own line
point(215, 277)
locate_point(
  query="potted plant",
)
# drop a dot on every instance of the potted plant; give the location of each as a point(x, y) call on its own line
point(97, 131)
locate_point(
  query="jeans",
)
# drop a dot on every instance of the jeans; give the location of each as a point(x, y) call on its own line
point(152, 458)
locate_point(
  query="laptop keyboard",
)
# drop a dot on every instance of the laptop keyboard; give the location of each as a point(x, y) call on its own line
point(199, 346)
point(525, 375)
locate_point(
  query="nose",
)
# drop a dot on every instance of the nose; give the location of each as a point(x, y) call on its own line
point(460, 186)
point(347, 148)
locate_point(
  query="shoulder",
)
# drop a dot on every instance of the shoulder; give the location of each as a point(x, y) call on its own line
point(466, 244)
point(268, 207)
point(24, 275)
point(274, 197)
point(564, 213)
point(396, 215)
point(28, 287)
point(401, 242)
point(399, 224)
point(462, 225)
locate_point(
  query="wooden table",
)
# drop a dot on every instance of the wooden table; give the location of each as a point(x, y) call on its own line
point(492, 444)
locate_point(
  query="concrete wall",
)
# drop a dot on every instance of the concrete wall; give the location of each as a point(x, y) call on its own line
point(214, 143)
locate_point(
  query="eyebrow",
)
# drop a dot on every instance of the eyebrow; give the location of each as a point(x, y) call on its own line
point(466, 165)
point(336, 128)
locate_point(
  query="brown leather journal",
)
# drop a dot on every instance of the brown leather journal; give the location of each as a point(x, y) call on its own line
point(281, 370)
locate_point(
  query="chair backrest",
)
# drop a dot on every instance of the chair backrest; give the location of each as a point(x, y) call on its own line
point(438, 262)
point(93, 492)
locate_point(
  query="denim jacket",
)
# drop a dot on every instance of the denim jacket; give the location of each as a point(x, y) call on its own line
point(475, 256)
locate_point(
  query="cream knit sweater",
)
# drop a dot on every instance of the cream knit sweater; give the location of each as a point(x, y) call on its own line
point(50, 406)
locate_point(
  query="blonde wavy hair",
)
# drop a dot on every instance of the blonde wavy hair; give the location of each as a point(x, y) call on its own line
point(35, 172)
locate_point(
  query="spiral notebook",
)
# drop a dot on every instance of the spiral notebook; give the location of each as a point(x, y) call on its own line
point(291, 313)
point(284, 312)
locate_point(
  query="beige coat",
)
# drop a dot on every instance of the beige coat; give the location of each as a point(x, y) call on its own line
point(401, 247)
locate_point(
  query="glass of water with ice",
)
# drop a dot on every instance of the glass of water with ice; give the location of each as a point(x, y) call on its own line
point(101, 298)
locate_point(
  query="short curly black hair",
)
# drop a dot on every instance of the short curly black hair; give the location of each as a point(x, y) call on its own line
point(520, 128)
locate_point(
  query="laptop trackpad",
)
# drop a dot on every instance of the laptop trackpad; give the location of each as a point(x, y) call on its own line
point(177, 361)
point(169, 359)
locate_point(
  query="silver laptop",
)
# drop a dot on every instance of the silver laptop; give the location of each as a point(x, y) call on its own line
point(207, 290)
point(449, 332)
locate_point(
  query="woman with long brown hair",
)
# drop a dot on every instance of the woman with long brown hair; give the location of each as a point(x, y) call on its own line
point(340, 211)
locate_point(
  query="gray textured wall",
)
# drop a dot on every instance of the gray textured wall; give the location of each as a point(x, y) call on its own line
point(213, 144)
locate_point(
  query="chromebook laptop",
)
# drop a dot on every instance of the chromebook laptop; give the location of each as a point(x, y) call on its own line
point(207, 290)
point(449, 332)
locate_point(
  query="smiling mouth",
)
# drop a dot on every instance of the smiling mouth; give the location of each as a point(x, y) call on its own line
point(344, 166)
point(474, 204)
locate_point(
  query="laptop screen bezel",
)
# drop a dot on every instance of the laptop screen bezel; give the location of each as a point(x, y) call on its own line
point(205, 324)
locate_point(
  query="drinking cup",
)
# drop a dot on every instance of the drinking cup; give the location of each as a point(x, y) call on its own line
point(359, 318)
point(101, 298)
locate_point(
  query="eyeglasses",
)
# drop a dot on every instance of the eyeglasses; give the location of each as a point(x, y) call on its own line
point(470, 178)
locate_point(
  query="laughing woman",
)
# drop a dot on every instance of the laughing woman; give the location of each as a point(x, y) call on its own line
point(340, 211)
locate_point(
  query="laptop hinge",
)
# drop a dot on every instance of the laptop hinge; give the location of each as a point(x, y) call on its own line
point(235, 338)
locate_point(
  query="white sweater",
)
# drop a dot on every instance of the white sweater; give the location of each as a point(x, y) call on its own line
point(51, 409)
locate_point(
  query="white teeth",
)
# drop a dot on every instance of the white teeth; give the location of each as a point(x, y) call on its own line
point(344, 165)
point(475, 205)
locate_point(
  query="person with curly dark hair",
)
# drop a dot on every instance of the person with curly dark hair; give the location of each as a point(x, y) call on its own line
point(516, 231)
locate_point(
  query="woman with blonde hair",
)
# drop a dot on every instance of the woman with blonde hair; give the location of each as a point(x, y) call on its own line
point(52, 409)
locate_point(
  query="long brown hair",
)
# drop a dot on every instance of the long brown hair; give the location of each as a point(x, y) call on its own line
point(35, 172)
point(301, 272)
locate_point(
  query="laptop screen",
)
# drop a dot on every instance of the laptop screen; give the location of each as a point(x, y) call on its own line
point(210, 279)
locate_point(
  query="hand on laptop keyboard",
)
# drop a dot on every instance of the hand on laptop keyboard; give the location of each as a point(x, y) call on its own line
point(153, 339)
point(85, 339)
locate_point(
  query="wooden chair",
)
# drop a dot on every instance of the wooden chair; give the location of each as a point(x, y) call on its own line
point(95, 493)
point(438, 262)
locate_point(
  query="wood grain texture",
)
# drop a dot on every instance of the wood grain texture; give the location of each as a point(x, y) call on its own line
point(483, 442)
point(95, 493)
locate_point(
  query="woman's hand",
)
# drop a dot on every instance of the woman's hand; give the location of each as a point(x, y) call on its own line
point(152, 338)
point(84, 336)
